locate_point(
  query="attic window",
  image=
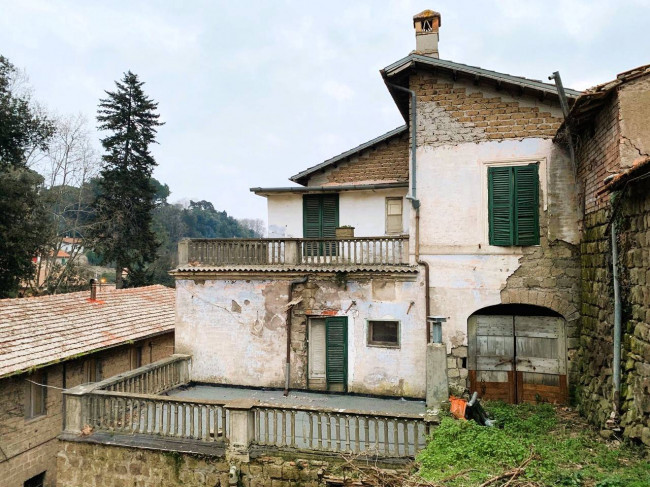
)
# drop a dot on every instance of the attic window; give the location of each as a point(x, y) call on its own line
point(426, 26)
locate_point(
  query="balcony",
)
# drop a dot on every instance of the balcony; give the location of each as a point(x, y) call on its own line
point(365, 253)
point(155, 407)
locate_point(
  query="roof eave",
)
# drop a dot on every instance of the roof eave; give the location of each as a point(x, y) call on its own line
point(329, 189)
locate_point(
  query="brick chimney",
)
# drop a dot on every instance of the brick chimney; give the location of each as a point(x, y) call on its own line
point(427, 24)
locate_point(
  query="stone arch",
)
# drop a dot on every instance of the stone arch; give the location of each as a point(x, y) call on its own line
point(542, 298)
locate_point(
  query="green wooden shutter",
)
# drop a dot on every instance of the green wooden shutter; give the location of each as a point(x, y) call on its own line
point(330, 220)
point(526, 205)
point(311, 214)
point(336, 350)
point(500, 198)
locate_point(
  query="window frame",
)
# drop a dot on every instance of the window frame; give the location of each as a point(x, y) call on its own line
point(377, 344)
point(484, 210)
point(401, 201)
point(39, 376)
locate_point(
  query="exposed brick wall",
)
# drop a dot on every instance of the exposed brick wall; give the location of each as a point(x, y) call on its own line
point(451, 112)
point(597, 155)
point(29, 447)
point(384, 162)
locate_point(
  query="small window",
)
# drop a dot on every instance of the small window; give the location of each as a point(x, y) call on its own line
point(35, 395)
point(394, 215)
point(35, 481)
point(513, 205)
point(383, 333)
point(94, 372)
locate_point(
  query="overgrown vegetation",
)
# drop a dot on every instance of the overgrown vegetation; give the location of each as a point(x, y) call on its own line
point(533, 445)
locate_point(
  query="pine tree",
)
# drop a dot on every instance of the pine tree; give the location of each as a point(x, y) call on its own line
point(123, 232)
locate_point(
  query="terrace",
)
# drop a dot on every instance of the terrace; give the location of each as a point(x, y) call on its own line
point(156, 407)
point(235, 254)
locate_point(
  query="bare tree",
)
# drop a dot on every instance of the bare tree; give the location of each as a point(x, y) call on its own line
point(256, 225)
point(68, 166)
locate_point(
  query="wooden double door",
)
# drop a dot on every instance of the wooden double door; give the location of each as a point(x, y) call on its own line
point(518, 358)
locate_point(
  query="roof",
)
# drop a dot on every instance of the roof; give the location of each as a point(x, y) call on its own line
point(403, 268)
point(426, 14)
point(62, 254)
point(301, 177)
point(640, 167)
point(331, 188)
point(38, 331)
point(591, 101)
point(473, 72)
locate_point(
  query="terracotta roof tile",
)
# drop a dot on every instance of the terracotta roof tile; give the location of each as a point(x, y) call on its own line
point(40, 330)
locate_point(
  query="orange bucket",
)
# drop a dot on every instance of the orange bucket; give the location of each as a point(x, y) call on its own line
point(458, 406)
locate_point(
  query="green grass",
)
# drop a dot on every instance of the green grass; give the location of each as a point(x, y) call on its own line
point(565, 451)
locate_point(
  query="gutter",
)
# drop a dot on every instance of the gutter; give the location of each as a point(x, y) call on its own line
point(330, 189)
point(287, 368)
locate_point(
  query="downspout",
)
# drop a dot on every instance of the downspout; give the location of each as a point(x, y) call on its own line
point(618, 314)
point(415, 202)
point(287, 368)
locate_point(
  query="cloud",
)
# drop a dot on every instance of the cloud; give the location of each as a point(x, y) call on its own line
point(337, 90)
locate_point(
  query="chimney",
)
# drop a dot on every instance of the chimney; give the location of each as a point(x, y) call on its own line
point(427, 24)
point(93, 290)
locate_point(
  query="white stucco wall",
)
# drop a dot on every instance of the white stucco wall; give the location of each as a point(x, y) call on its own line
point(467, 273)
point(235, 330)
point(364, 210)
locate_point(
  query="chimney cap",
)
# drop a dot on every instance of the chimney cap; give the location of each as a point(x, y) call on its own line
point(427, 14)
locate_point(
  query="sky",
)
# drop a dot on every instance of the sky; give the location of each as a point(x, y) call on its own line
point(252, 93)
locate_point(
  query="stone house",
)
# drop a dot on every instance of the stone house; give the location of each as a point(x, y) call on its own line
point(467, 215)
point(610, 128)
point(52, 343)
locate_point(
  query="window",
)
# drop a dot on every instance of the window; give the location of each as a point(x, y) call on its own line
point(513, 205)
point(35, 395)
point(382, 333)
point(394, 215)
point(93, 372)
point(35, 481)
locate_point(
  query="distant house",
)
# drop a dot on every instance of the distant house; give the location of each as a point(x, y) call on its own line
point(51, 343)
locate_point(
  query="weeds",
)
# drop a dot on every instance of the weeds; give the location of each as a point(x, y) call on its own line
point(556, 447)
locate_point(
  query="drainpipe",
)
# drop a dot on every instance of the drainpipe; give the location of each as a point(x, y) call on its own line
point(287, 368)
point(616, 365)
point(415, 202)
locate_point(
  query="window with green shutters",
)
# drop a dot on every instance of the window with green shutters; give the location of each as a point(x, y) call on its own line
point(513, 199)
point(320, 214)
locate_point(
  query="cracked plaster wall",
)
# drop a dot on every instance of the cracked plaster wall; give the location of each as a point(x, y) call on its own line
point(235, 330)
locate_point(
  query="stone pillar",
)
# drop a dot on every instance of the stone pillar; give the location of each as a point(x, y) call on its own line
point(292, 251)
point(184, 368)
point(75, 419)
point(437, 384)
point(183, 252)
point(242, 429)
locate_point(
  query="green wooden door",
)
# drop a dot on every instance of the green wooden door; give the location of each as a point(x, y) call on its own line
point(336, 352)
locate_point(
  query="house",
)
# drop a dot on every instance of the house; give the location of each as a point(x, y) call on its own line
point(500, 245)
point(610, 131)
point(465, 216)
point(52, 343)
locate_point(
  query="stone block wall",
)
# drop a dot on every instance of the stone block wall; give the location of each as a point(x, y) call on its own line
point(29, 446)
point(634, 261)
point(387, 161)
point(114, 466)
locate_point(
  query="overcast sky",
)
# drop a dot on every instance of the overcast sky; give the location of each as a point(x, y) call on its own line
point(254, 92)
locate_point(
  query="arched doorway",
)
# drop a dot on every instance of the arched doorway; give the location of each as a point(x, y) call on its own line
point(517, 353)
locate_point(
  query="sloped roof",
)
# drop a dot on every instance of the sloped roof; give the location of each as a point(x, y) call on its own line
point(38, 331)
point(472, 72)
point(302, 176)
point(591, 101)
point(390, 268)
point(640, 167)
